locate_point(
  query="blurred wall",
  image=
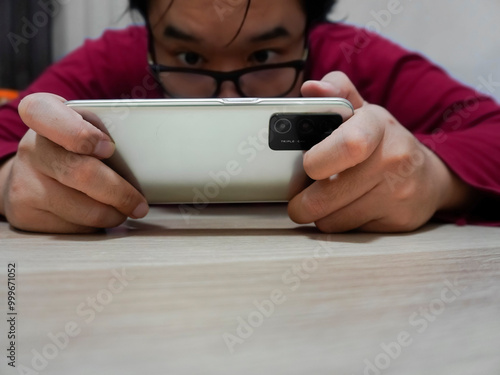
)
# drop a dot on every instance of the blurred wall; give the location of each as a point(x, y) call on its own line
point(81, 19)
point(25, 32)
point(461, 35)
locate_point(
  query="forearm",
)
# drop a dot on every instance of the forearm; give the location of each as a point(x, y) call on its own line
point(456, 195)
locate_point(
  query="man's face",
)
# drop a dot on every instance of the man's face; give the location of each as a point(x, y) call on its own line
point(199, 34)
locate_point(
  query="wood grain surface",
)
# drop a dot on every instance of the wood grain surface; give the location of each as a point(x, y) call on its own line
point(240, 289)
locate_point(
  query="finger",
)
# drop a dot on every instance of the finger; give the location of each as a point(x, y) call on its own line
point(47, 206)
point(45, 222)
point(398, 217)
point(77, 208)
point(349, 145)
point(48, 116)
point(89, 176)
point(373, 213)
point(334, 84)
point(330, 195)
point(353, 216)
point(387, 225)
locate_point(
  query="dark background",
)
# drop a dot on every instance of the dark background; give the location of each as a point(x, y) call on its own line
point(19, 68)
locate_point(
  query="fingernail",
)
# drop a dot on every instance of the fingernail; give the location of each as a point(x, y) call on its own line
point(140, 211)
point(104, 149)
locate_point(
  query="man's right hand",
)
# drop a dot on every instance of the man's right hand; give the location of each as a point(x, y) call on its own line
point(57, 182)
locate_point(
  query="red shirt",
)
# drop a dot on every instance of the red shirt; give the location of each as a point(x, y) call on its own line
point(459, 124)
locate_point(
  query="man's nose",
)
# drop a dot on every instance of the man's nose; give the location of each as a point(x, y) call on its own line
point(228, 90)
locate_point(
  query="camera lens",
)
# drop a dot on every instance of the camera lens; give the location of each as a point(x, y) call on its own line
point(306, 126)
point(283, 126)
point(327, 128)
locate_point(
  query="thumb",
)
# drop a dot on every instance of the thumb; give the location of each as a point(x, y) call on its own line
point(50, 117)
point(334, 84)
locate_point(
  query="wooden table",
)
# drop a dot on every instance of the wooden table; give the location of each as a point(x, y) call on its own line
point(240, 289)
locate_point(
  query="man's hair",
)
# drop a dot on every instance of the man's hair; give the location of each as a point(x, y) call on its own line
point(315, 10)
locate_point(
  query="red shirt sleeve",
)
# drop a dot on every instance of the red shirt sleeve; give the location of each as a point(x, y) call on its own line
point(111, 67)
point(461, 125)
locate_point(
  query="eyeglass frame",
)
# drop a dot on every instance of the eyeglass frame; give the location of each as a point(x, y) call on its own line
point(233, 76)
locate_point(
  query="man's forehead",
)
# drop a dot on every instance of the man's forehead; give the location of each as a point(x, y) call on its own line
point(193, 19)
point(226, 11)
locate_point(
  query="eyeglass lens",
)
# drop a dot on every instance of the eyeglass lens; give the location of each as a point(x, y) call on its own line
point(261, 83)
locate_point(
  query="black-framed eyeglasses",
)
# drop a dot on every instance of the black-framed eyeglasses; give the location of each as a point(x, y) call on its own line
point(271, 80)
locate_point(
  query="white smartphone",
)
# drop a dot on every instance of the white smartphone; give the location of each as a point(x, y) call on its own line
point(198, 151)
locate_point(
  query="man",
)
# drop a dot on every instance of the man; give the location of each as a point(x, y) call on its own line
point(372, 174)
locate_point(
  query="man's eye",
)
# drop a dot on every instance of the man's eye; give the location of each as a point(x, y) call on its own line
point(190, 58)
point(263, 56)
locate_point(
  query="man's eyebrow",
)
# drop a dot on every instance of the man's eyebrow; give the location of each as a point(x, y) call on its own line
point(176, 33)
point(278, 32)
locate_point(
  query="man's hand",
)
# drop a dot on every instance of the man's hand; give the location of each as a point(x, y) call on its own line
point(357, 172)
point(57, 182)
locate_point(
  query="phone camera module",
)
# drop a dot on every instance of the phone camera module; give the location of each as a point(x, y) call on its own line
point(283, 126)
point(306, 126)
point(300, 131)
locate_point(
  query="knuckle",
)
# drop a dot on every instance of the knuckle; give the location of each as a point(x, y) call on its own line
point(17, 191)
point(356, 144)
point(400, 157)
point(405, 221)
point(375, 110)
point(25, 146)
point(84, 140)
point(407, 191)
point(88, 171)
point(401, 163)
point(70, 166)
point(125, 201)
point(315, 207)
point(18, 202)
